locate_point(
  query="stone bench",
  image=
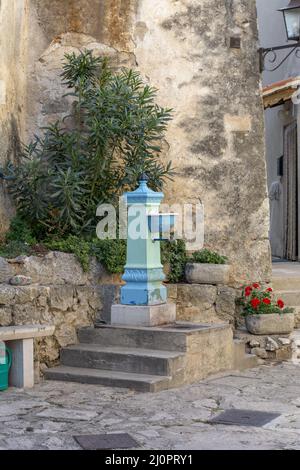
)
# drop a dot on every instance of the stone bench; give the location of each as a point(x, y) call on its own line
point(19, 340)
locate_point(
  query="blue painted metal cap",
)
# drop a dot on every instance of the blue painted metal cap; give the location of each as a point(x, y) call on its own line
point(143, 193)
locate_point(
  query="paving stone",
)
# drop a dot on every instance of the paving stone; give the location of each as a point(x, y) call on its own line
point(48, 416)
point(65, 414)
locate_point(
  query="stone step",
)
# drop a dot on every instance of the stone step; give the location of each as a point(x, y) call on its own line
point(176, 337)
point(242, 360)
point(290, 297)
point(138, 382)
point(286, 283)
point(139, 361)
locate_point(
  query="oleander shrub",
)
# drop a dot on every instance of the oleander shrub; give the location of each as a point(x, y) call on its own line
point(113, 133)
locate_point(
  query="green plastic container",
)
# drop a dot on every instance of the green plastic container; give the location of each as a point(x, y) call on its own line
point(4, 369)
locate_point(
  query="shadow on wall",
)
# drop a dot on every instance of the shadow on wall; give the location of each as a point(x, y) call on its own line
point(108, 21)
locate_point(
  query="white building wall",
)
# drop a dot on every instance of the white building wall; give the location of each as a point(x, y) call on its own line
point(272, 32)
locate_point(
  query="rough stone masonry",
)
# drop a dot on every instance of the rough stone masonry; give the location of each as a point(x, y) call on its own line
point(184, 48)
point(54, 290)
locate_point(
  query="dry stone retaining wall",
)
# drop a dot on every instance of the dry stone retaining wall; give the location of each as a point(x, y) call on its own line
point(53, 289)
point(57, 293)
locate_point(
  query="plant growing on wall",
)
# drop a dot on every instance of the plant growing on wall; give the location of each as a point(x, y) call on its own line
point(113, 134)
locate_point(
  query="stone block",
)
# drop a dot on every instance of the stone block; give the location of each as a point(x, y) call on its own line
point(29, 313)
point(196, 303)
point(226, 303)
point(5, 270)
point(56, 268)
point(5, 316)
point(172, 292)
point(143, 315)
point(284, 354)
point(271, 345)
point(285, 341)
point(197, 273)
point(7, 294)
point(254, 344)
point(27, 294)
point(53, 268)
point(62, 298)
point(107, 295)
point(260, 352)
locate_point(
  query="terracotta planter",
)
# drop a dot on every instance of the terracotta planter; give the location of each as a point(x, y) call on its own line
point(201, 273)
point(270, 324)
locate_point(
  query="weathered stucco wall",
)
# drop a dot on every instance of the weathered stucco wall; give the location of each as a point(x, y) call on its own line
point(13, 40)
point(216, 140)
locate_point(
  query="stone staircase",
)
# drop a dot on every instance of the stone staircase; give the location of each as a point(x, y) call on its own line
point(148, 359)
point(286, 282)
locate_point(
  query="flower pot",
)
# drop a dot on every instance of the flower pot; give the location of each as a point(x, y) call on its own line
point(201, 273)
point(270, 324)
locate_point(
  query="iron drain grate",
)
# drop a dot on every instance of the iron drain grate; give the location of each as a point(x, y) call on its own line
point(244, 418)
point(106, 441)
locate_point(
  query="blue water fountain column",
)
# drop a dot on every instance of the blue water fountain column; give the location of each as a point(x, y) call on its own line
point(144, 296)
point(143, 271)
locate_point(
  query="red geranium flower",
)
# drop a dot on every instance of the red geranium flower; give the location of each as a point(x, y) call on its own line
point(267, 301)
point(248, 291)
point(280, 303)
point(256, 286)
point(270, 289)
point(255, 303)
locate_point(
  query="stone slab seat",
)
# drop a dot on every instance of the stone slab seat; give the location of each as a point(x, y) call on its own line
point(19, 340)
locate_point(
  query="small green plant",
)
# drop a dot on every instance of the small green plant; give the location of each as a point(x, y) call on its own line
point(112, 253)
point(18, 240)
point(207, 256)
point(174, 254)
point(19, 231)
point(14, 248)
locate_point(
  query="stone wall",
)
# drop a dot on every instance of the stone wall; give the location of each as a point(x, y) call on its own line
point(54, 290)
point(184, 48)
point(270, 348)
point(200, 303)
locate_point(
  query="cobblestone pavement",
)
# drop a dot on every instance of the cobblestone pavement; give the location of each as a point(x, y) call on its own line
point(49, 415)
